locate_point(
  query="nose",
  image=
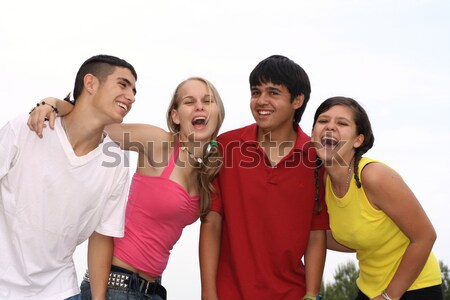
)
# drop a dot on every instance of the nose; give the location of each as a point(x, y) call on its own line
point(261, 99)
point(130, 96)
point(199, 105)
point(331, 126)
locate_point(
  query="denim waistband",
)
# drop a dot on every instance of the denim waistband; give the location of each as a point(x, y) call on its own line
point(124, 279)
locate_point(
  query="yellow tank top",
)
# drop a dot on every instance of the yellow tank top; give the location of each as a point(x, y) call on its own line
point(378, 242)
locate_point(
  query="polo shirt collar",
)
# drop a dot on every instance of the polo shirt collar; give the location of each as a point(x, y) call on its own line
point(302, 142)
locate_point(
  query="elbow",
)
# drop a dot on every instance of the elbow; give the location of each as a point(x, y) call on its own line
point(433, 237)
point(429, 239)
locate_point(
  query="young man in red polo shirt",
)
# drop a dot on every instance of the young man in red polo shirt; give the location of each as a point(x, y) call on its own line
point(265, 218)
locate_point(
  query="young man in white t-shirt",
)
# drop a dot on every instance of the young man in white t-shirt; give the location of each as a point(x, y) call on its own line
point(59, 191)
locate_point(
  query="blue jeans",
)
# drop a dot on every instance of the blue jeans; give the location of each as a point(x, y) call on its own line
point(116, 294)
point(75, 297)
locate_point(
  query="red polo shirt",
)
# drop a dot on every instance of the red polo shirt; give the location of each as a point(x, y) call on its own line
point(267, 217)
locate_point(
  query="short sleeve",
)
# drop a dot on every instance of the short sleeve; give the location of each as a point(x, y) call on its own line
point(8, 148)
point(113, 218)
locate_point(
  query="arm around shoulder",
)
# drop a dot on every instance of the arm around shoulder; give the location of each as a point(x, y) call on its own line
point(138, 137)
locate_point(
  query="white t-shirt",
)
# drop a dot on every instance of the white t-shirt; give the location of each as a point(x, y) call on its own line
point(51, 201)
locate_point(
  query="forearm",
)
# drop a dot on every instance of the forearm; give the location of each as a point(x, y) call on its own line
point(411, 265)
point(100, 250)
point(315, 261)
point(64, 107)
point(209, 251)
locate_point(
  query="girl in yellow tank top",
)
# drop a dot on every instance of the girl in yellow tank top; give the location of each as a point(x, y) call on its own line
point(371, 209)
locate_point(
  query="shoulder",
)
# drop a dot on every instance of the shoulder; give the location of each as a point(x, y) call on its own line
point(20, 121)
point(375, 175)
point(17, 128)
point(244, 133)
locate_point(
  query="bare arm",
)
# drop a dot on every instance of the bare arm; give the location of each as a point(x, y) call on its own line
point(387, 191)
point(315, 261)
point(133, 137)
point(209, 250)
point(137, 137)
point(39, 113)
point(100, 251)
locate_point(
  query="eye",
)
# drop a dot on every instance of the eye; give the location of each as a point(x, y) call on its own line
point(208, 100)
point(255, 93)
point(341, 123)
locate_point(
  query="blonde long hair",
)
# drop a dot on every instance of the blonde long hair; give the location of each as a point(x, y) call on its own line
point(212, 161)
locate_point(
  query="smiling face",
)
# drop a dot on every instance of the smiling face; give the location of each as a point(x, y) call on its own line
point(272, 107)
point(115, 95)
point(335, 135)
point(196, 111)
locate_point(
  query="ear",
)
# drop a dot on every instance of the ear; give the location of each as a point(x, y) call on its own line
point(298, 101)
point(175, 117)
point(90, 83)
point(358, 141)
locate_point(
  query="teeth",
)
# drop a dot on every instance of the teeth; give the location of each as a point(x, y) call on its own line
point(200, 120)
point(122, 106)
point(264, 112)
point(329, 141)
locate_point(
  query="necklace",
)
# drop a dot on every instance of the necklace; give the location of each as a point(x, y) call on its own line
point(197, 159)
point(349, 173)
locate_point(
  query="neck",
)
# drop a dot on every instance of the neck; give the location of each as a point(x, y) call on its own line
point(83, 137)
point(341, 176)
point(281, 135)
point(278, 144)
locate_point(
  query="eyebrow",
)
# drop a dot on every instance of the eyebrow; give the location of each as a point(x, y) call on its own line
point(272, 88)
point(269, 88)
point(192, 97)
point(128, 82)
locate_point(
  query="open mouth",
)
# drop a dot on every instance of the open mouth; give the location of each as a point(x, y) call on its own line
point(329, 142)
point(199, 121)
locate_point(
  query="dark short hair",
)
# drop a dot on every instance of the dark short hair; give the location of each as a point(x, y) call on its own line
point(101, 66)
point(281, 70)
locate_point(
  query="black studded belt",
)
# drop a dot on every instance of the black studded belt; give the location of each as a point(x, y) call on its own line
point(123, 279)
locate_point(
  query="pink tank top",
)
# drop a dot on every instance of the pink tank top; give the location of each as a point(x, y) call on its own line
point(157, 211)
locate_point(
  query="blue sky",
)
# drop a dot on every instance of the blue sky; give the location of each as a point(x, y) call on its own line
point(392, 56)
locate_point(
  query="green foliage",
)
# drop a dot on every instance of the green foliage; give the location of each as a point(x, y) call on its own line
point(344, 285)
point(445, 280)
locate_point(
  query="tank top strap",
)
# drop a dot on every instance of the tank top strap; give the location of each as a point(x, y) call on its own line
point(172, 161)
